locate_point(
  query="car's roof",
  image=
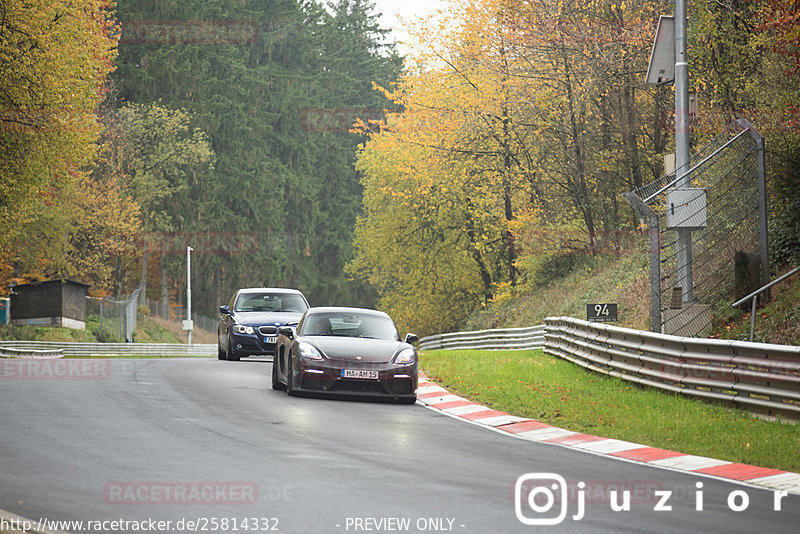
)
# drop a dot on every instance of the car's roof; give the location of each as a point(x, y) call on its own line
point(268, 290)
point(342, 309)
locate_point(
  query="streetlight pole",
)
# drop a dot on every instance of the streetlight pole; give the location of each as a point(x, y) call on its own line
point(684, 241)
point(189, 293)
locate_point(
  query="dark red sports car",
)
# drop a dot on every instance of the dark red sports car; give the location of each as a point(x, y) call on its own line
point(347, 351)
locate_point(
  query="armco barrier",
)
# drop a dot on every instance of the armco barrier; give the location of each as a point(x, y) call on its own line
point(758, 377)
point(8, 352)
point(496, 339)
point(111, 350)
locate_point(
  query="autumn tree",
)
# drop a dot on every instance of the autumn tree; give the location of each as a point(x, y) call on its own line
point(446, 178)
point(744, 64)
point(156, 155)
point(277, 105)
point(54, 59)
point(527, 113)
point(781, 19)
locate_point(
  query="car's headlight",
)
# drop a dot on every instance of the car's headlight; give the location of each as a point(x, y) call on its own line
point(406, 356)
point(243, 329)
point(308, 351)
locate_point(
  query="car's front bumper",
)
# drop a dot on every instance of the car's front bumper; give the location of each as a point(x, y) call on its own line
point(326, 376)
point(251, 345)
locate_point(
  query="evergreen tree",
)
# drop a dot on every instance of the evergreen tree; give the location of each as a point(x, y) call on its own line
point(261, 78)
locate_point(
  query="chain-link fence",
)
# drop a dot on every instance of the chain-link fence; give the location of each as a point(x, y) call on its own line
point(175, 312)
point(117, 318)
point(724, 210)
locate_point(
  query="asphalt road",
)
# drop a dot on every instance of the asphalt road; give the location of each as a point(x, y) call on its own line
point(199, 439)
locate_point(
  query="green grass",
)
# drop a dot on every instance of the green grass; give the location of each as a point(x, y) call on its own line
point(535, 385)
point(44, 333)
point(147, 330)
point(150, 331)
point(776, 322)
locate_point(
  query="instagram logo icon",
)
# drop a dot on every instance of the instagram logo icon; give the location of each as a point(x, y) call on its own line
point(535, 497)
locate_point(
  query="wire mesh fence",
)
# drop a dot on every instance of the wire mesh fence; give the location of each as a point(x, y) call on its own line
point(178, 313)
point(724, 211)
point(117, 318)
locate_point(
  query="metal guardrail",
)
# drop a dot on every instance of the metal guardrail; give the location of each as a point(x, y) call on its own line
point(110, 350)
point(8, 352)
point(754, 296)
point(759, 377)
point(496, 339)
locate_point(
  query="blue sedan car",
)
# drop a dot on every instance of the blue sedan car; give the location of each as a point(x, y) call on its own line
point(249, 323)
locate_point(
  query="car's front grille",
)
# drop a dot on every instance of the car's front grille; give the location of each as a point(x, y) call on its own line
point(359, 386)
point(268, 330)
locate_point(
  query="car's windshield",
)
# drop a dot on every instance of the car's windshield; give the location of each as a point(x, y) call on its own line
point(349, 325)
point(270, 302)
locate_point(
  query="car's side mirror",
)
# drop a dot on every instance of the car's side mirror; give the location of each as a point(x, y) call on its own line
point(286, 331)
point(224, 310)
point(411, 338)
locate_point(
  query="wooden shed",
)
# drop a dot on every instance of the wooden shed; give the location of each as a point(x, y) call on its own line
point(50, 303)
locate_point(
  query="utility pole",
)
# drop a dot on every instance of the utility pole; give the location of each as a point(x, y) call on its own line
point(187, 324)
point(684, 241)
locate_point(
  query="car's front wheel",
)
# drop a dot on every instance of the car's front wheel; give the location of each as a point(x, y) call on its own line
point(276, 384)
point(220, 353)
point(289, 389)
point(229, 354)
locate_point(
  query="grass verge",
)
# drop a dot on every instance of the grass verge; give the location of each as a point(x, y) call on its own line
point(535, 385)
point(148, 330)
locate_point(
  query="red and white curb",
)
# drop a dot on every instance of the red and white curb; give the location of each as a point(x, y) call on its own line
point(438, 398)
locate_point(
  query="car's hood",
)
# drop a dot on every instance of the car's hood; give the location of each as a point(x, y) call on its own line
point(356, 349)
point(267, 318)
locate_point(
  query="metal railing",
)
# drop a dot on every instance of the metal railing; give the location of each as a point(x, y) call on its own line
point(111, 350)
point(758, 377)
point(495, 339)
point(754, 295)
point(10, 352)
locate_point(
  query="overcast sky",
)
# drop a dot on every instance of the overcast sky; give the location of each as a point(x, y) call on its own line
point(409, 10)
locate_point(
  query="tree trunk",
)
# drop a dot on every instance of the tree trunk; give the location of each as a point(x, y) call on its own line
point(164, 290)
point(143, 282)
point(581, 194)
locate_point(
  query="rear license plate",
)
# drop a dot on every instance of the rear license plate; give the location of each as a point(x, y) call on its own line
point(359, 373)
point(270, 339)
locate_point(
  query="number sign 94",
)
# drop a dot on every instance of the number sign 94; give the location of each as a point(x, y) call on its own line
point(601, 312)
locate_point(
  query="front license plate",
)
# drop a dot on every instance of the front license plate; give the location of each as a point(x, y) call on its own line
point(270, 339)
point(359, 373)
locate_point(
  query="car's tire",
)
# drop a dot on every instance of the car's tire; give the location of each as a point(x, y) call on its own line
point(276, 384)
point(220, 353)
point(230, 355)
point(289, 389)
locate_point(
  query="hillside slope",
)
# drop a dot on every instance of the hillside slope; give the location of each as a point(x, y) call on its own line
point(624, 280)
